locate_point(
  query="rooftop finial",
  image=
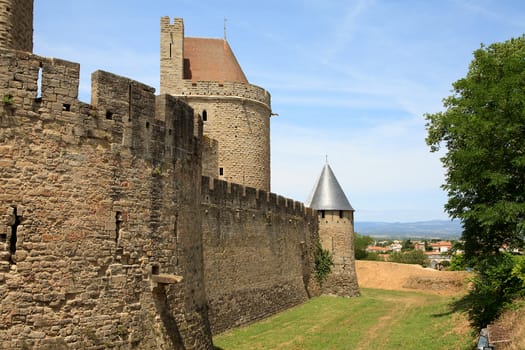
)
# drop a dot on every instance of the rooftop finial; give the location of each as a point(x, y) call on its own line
point(225, 28)
point(326, 158)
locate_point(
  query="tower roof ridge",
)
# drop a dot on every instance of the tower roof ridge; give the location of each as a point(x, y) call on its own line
point(327, 193)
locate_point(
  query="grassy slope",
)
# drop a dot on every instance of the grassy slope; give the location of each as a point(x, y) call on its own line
point(379, 319)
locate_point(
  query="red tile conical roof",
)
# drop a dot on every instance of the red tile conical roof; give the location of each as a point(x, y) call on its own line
point(211, 60)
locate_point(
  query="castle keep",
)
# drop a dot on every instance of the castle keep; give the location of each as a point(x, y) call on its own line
point(117, 227)
point(205, 74)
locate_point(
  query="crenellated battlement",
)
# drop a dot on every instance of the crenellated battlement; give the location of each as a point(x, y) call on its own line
point(227, 89)
point(215, 192)
point(40, 84)
point(122, 111)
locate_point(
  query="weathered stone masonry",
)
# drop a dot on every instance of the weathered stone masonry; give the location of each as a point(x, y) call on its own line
point(258, 253)
point(104, 202)
point(236, 114)
point(16, 24)
point(110, 237)
point(106, 205)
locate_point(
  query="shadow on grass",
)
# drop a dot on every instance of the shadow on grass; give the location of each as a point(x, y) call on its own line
point(462, 305)
point(217, 348)
point(481, 310)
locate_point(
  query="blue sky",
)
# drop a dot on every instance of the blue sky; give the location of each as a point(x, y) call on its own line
point(350, 79)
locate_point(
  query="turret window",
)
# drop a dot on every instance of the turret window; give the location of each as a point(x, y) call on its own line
point(221, 171)
point(204, 115)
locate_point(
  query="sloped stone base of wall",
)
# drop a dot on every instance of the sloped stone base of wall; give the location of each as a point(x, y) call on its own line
point(249, 305)
point(341, 285)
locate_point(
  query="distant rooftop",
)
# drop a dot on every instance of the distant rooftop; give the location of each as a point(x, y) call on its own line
point(327, 193)
point(211, 60)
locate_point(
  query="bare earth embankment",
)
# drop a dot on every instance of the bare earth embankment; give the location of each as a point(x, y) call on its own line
point(404, 277)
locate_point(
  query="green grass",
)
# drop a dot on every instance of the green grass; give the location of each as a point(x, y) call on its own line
point(379, 319)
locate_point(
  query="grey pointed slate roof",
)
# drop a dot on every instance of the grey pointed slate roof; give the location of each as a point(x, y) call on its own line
point(327, 193)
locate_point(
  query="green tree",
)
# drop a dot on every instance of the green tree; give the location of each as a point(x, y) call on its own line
point(407, 245)
point(483, 129)
point(409, 257)
point(494, 287)
point(458, 263)
point(360, 244)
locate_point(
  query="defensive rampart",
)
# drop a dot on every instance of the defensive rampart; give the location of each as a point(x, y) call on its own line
point(235, 113)
point(258, 253)
point(100, 243)
point(234, 90)
point(107, 238)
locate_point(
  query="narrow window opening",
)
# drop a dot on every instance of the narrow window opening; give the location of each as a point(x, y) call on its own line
point(221, 171)
point(109, 115)
point(175, 226)
point(118, 226)
point(39, 85)
point(14, 228)
point(169, 132)
point(170, 48)
point(129, 102)
point(147, 125)
point(204, 116)
point(322, 214)
point(340, 214)
point(155, 269)
point(66, 107)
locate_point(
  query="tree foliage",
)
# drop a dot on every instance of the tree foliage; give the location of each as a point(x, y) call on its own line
point(361, 242)
point(483, 130)
point(409, 257)
point(458, 263)
point(497, 283)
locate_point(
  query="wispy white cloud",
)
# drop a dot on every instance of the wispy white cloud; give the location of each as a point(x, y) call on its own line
point(345, 28)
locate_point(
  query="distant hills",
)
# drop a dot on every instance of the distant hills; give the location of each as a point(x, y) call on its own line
point(444, 229)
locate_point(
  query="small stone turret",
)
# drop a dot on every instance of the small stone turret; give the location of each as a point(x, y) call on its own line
point(16, 25)
point(336, 232)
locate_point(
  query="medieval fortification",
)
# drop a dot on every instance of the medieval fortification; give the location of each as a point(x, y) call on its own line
point(143, 221)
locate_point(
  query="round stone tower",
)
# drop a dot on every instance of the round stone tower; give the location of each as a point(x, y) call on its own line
point(205, 73)
point(336, 233)
point(16, 25)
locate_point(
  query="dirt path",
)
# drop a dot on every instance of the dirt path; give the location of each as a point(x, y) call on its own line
point(394, 314)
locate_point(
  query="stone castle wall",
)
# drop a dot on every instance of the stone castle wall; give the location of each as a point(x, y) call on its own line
point(109, 235)
point(99, 213)
point(237, 114)
point(16, 25)
point(258, 253)
point(337, 236)
point(106, 237)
